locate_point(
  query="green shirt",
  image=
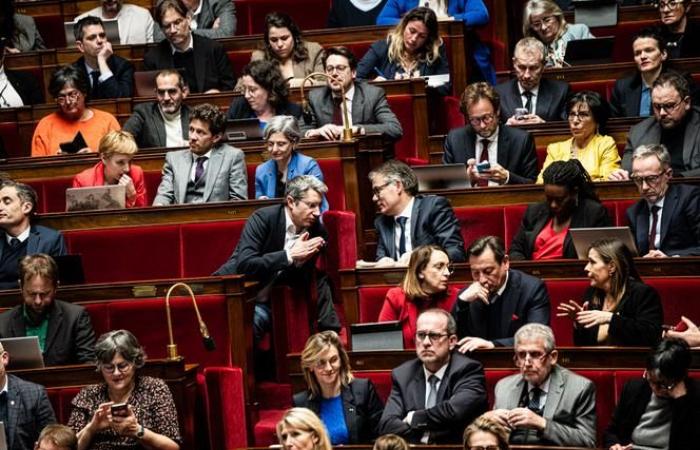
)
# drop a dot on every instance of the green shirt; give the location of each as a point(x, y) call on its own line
point(36, 330)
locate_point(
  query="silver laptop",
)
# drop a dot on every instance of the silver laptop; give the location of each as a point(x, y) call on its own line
point(373, 336)
point(441, 176)
point(584, 237)
point(24, 353)
point(111, 30)
point(95, 197)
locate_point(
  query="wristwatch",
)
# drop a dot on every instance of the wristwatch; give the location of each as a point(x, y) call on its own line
point(140, 433)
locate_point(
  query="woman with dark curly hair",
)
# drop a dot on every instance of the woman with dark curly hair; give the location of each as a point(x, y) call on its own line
point(264, 94)
point(284, 45)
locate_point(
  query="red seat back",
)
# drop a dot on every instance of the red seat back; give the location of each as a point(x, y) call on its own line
point(475, 222)
point(381, 380)
point(512, 218)
point(562, 291)
point(206, 246)
point(226, 407)
point(308, 14)
point(402, 106)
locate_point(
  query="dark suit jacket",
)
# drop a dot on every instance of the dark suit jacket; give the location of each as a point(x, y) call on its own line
point(147, 126)
point(460, 399)
point(41, 240)
point(688, 47)
point(551, 100)
point(361, 405)
point(28, 412)
point(589, 214)
point(70, 338)
point(636, 322)
point(680, 222)
point(516, 151)
point(626, 96)
point(212, 67)
point(26, 86)
point(685, 415)
point(432, 222)
point(120, 84)
point(525, 300)
point(240, 109)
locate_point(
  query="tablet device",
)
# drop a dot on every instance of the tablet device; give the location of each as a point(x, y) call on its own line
point(367, 337)
point(442, 176)
point(584, 237)
point(111, 30)
point(589, 51)
point(70, 148)
point(24, 352)
point(96, 197)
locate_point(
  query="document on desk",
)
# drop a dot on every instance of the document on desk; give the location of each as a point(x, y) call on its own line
point(437, 80)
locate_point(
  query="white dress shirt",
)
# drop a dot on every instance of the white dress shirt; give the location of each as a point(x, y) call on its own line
point(533, 102)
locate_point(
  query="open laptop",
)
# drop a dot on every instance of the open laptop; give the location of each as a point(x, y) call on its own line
point(367, 337)
point(243, 130)
point(96, 197)
point(584, 237)
point(442, 176)
point(111, 30)
point(583, 52)
point(24, 352)
point(595, 13)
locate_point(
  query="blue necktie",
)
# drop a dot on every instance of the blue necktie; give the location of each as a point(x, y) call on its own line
point(645, 102)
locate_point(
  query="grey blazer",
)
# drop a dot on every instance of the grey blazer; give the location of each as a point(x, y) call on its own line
point(370, 110)
point(147, 126)
point(224, 10)
point(648, 131)
point(226, 176)
point(569, 409)
point(27, 37)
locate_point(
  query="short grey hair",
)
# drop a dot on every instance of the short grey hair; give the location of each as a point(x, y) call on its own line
point(393, 171)
point(657, 150)
point(530, 46)
point(297, 186)
point(286, 125)
point(120, 342)
point(451, 323)
point(532, 331)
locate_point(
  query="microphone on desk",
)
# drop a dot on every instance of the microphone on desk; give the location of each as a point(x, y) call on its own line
point(203, 330)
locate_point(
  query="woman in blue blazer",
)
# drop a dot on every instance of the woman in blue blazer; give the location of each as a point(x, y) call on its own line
point(282, 135)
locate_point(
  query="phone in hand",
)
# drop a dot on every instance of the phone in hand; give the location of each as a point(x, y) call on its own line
point(679, 327)
point(483, 166)
point(520, 113)
point(120, 409)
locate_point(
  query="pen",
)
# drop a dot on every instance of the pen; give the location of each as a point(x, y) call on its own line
point(379, 72)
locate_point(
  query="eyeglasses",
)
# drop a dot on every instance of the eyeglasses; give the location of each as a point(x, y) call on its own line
point(658, 384)
point(123, 367)
point(440, 267)
point(649, 179)
point(377, 190)
point(483, 447)
point(432, 336)
point(579, 115)
point(331, 69)
point(668, 107)
point(670, 5)
point(486, 119)
point(521, 356)
point(61, 99)
point(546, 21)
point(311, 205)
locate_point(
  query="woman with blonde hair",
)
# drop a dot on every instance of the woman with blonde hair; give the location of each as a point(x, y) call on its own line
point(301, 429)
point(486, 434)
point(413, 48)
point(424, 286)
point(544, 20)
point(348, 407)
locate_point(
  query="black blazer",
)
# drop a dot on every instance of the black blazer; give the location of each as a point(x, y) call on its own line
point(212, 67)
point(240, 109)
point(636, 321)
point(626, 96)
point(26, 86)
point(551, 101)
point(588, 214)
point(680, 222)
point(525, 300)
point(432, 222)
point(70, 338)
point(361, 405)
point(147, 125)
point(461, 398)
point(688, 47)
point(120, 84)
point(516, 151)
point(685, 415)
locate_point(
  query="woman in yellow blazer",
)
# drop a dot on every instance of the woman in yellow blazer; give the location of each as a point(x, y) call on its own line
point(588, 114)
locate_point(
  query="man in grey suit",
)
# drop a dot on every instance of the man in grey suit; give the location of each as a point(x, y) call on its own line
point(530, 98)
point(164, 123)
point(368, 110)
point(210, 18)
point(209, 171)
point(545, 404)
point(25, 409)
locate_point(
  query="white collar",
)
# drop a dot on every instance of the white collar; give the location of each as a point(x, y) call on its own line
point(189, 46)
point(289, 226)
point(534, 90)
point(505, 284)
point(408, 209)
point(207, 155)
point(23, 236)
point(439, 374)
point(544, 387)
point(365, 5)
point(199, 8)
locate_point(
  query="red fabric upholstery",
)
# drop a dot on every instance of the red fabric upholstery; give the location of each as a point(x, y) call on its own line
point(239, 59)
point(513, 216)
point(250, 172)
point(482, 221)
point(624, 36)
point(264, 431)
point(605, 399)
point(381, 380)
point(487, 34)
point(55, 399)
point(602, 87)
point(334, 178)
point(51, 28)
point(541, 152)
point(493, 376)
point(370, 301)
point(206, 246)
point(621, 207)
point(225, 404)
point(308, 14)
point(562, 291)
point(358, 48)
point(99, 316)
point(152, 180)
point(342, 235)
point(9, 132)
point(402, 106)
point(675, 294)
point(65, 398)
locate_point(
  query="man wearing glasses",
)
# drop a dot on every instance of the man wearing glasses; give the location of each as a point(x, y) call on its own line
point(680, 31)
point(661, 409)
point(367, 108)
point(545, 404)
point(666, 221)
point(435, 396)
point(508, 152)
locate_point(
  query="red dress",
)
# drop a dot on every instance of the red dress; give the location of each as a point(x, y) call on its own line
point(95, 176)
point(398, 307)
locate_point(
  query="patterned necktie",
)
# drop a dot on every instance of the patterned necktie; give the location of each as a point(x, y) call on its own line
point(534, 403)
point(528, 102)
point(199, 171)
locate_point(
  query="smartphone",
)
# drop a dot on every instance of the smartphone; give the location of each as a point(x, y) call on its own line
point(520, 113)
point(483, 166)
point(680, 327)
point(120, 409)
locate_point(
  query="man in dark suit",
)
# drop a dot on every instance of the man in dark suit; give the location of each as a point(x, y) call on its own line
point(110, 76)
point(666, 221)
point(27, 409)
point(499, 301)
point(212, 19)
point(21, 89)
point(64, 329)
point(509, 151)
point(368, 110)
point(407, 220)
point(164, 123)
point(204, 61)
point(434, 397)
point(530, 98)
point(544, 404)
point(280, 245)
point(18, 237)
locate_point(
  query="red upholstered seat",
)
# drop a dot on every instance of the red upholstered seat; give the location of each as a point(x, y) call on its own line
point(541, 152)
point(151, 179)
point(677, 296)
point(602, 87)
point(51, 29)
point(65, 397)
point(55, 399)
point(381, 380)
point(206, 246)
point(265, 433)
point(475, 222)
point(370, 301)
point(308, 14)
point(406, 147)
point(226, 409)
point(561, 291)
point(605, 399)
point(621, 207)
point(450, 115)
point(99, 317)
point(493, 376)
point(239, 59)
point(513, 216)
point(358, 48)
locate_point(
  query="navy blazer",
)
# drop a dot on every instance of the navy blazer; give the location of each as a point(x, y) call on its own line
point(28, 412)
point(41, 240)
point(240, 109)
point(525, 300)
point(516, 151)
point(361, 405)
point(266, 175)
point(680, 222)
point(626, 96)
point(120, 84)
point(551, 101)
point(432, 222)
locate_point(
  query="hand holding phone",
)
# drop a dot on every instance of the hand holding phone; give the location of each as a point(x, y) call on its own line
point(120, 409)
point(483, 166)
point(520, 113)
